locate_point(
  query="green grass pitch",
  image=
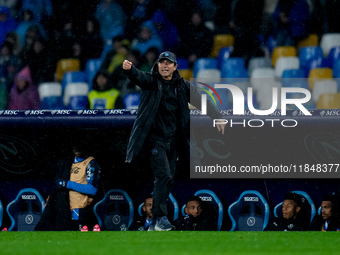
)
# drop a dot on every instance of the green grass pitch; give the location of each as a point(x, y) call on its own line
point(175, 242)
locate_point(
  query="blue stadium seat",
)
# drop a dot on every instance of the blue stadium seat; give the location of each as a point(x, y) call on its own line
point(1, 213)
point(250, 212)
point(173, 209)
point(69, 77)
point(204, 63)
point(316, 63)
point(115, 211)
point(233, 63)
point(308, 53)
point(78, 102)
point(52, 103)
point(182, 63)
point(223, 55)
point(336, 69)
point(307, 202)
point(25, 210)
point(131, 100)
point(334, 55)
point(92, 66)
point(293, 73)
point(211, 198)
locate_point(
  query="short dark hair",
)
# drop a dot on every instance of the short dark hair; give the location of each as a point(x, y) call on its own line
point(150, 196)
point(194, 198)
point(295, 197)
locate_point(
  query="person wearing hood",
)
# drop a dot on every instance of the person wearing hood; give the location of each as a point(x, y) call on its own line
point(24, 94)
point(161, 127)
point(147, 38)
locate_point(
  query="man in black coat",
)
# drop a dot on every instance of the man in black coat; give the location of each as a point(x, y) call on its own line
point(199, 215)
point(328, 220)
point(162, 125)
point(293, 217)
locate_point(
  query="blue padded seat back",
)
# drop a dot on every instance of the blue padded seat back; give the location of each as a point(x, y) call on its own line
point(250, 212)
point(26, 210)
point(211, 199)
point(115, 210)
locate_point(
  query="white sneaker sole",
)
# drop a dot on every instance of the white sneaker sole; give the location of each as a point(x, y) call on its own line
point(162, 229)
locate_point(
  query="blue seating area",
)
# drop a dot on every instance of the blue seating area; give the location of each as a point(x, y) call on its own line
point(250, 212)
point(115, 211)
point(25, 210)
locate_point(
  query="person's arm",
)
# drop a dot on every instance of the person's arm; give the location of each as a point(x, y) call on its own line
point(92, 177)
point(142, 79)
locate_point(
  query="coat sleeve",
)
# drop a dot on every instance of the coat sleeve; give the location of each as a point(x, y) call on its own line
point(143, 80)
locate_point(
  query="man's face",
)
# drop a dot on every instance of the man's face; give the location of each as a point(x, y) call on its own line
point(147, 208)
point(193, 208)
point(166, 68)
point(326, 209)
point(78, 152)
point(289, 209)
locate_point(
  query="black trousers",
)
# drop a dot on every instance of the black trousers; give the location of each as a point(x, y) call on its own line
point(163, 164)
point(86, 217)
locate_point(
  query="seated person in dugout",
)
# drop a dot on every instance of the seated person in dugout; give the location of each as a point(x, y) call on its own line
point(328, 220)
point(142, 223)
point(293, 216)
point(199, 215)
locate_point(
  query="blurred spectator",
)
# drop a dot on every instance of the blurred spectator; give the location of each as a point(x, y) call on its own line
point(66, 40)
point(9, 65)
point(119, 57)
point(293, 217)
point(197, 216)
point(111, 18)
point(246, 19)
point(121, 81)
point(291, 22)
point(13, 5)
point(40, 61)
point(147, 38)
point(196, 39)
point(13, 38)
point(91, 42)
point(26, 21)
point(142, 223)
point(331, 9)
point(7, 22)
point(117, 41)
point(137, 12)
point(166, 30)
point(42, 9)
point(223, 16)
point(24, 94)
point(328, 220)
point(103, 95)
point(32, 34)
point(3, 96)
point(150, 58)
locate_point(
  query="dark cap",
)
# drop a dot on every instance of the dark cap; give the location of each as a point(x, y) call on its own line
point(167, 55)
